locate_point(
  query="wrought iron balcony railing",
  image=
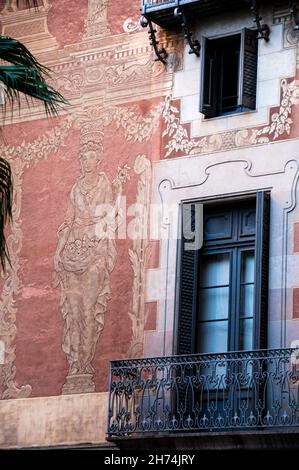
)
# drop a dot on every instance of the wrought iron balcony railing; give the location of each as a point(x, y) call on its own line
point(175, 14)
point(253, 390)
point(162, 11)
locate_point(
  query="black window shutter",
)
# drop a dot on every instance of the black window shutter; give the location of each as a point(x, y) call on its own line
point(248, 68)
point(187, 297)
point(261, 270)
point(208, 94)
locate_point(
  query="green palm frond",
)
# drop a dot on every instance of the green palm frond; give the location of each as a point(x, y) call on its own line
point(19, 79)
point(16, 53)
point(5, 207)
point(27, 76)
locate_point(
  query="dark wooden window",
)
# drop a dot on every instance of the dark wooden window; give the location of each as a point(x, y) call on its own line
point(223, 286)
point(229, 74)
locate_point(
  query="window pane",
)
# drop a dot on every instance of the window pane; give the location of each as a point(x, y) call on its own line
point(246, 332)
point(214, 270)
point(213, 303)
point(247, 266)
point(218, 226)
point(246, 304)
point(213, 337)
point(248, 221)
point(229, 78)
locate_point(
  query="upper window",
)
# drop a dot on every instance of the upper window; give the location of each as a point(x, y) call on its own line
point(229, 74)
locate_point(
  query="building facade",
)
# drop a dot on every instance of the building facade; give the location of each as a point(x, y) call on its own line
point(156, 225)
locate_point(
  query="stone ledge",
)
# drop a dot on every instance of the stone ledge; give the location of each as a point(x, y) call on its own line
point(243, 440)
point(67, 420)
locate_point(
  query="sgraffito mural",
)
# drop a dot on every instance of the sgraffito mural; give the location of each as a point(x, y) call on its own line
point(86, 248)
point(74, 296)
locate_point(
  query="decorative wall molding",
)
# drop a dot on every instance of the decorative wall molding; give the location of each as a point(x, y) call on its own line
point(139, 255)
point(130, 72)
point(178, 139)
point(12, 6)
point(8, 307)
point(84, 260)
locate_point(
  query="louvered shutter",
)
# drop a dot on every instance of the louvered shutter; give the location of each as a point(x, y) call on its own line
point(261, 269)
point(187, 297)
point(248, 69)
point(208, 94)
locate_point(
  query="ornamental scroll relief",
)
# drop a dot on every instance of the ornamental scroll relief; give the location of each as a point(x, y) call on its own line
point(9, 5)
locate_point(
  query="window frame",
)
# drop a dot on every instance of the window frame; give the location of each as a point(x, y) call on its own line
point(213, 102)
point(185, 318)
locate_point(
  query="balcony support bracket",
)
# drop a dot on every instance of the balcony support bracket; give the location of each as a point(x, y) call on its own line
point(194, 44)
point(294, 12)
point(161, 53)
point(263, 29)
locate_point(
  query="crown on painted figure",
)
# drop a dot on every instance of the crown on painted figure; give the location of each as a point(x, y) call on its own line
point(91, 140)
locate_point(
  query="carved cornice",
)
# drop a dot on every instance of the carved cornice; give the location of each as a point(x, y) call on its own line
point(117, 72)
point(281, 14)
point(29, 26)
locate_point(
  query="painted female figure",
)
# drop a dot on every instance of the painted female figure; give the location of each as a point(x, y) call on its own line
point(84, 259)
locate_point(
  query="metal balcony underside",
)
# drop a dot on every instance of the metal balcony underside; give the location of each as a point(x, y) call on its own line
point(161, 12)
point(251, 391)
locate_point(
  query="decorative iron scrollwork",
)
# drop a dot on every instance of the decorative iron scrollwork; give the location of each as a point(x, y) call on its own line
point(194, 44)
point(295, 14)
point(161, 53)
point(263, 29)
point(233, 391)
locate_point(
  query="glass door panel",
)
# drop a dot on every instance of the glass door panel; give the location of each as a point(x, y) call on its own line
point(246, 300)
point(213, 305)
